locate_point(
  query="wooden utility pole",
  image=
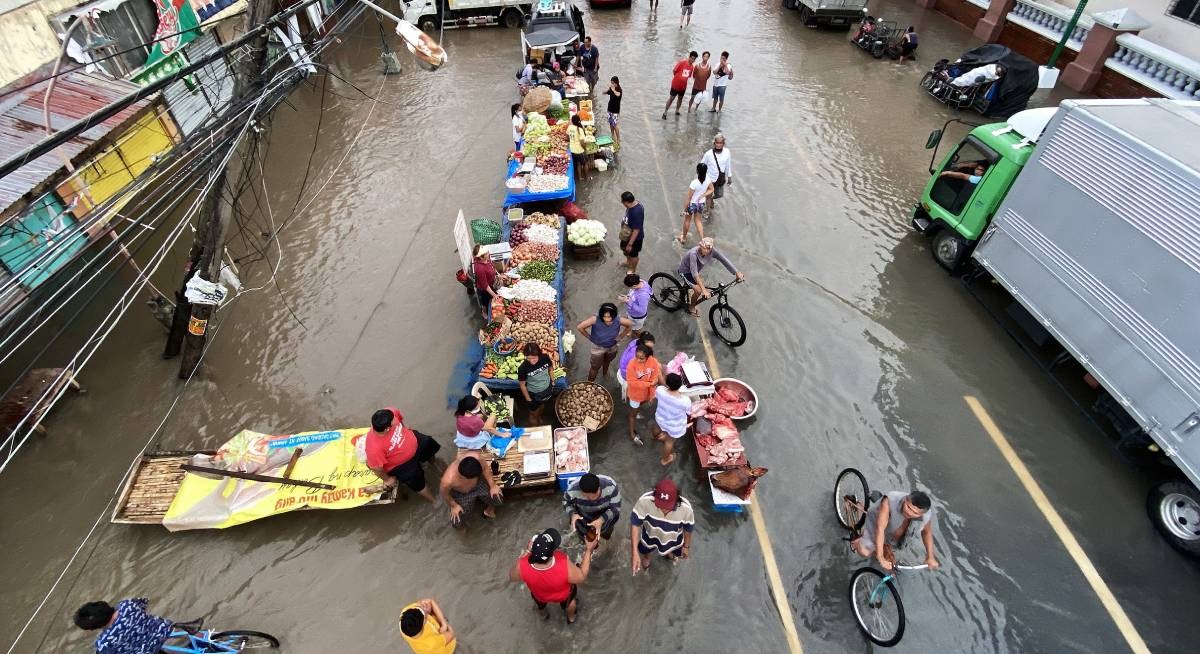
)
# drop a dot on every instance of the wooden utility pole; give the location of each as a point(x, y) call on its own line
point(190, 324)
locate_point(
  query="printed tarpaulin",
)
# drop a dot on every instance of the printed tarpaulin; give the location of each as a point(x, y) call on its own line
point(335, 457)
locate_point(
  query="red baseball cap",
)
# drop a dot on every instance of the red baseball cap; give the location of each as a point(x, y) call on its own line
point(666, 494)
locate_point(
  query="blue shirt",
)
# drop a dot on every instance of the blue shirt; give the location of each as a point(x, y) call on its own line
point(635, 217)
point(134, 631)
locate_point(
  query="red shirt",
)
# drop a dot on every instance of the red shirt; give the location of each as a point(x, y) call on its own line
point(395, 446)
point(683, 71)
point(485, 275)
point(549, 585)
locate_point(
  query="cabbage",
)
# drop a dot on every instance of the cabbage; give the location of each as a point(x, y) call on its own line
point(586, 232)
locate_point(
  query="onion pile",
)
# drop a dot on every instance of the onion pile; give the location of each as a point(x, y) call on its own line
point(531, 251)
point(553, 164)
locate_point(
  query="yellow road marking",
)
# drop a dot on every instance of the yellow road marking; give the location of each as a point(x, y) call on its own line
point(1124, 625)
point(756, 515)
point(803, 154)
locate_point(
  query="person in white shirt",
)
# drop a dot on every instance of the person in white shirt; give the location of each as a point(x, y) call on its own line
point(980, 75)
point(721, 78)
point(719, 162)
point(698, 192)
point(518, 125)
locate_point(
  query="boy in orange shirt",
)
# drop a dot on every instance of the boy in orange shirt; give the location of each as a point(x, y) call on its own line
point(643, 374)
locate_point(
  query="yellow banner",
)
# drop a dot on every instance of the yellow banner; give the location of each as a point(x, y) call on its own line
point(337, 458)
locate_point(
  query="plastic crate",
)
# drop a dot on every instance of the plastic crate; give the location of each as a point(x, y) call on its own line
point(565, 479)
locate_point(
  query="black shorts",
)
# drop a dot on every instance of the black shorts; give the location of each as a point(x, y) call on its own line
point(907, 48)
point(564, 603)
point(536, 401)
point(678, 94)
point(410, 472)
point(633, 251)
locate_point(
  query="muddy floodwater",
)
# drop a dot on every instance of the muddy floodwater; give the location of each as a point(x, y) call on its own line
point(860, 348)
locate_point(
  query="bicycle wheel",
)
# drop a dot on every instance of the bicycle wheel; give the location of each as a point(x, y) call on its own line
point(727, 324)
point(243, 639)
point(877, 606)
point(667, 292)
point(851, 498)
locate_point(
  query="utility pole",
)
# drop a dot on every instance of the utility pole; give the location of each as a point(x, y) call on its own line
point(190, 323)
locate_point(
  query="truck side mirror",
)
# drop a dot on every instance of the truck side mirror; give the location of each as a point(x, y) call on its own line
point(935, 137)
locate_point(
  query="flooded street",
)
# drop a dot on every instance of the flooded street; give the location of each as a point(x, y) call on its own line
point(861, 350)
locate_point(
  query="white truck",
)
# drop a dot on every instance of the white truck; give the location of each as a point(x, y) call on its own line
point(1098, 239)
point(841, 14)
point(432, 15)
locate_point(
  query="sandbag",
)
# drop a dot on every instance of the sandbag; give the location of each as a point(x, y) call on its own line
point(739, 481)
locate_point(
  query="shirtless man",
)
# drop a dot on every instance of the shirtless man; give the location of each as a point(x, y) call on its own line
point(465, 483)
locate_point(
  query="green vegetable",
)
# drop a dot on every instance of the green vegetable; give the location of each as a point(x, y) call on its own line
point(543, 270)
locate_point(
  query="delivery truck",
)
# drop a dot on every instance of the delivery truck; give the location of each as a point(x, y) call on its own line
point(1088, 216)
point(432, 15)
point(839, 14)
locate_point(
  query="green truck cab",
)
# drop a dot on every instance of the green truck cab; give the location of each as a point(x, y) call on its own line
point(959, 200)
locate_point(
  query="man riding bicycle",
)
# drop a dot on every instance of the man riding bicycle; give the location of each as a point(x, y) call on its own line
point(694, 260)
point(887, 525)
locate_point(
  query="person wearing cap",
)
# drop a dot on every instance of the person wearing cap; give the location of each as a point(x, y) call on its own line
point(662, 522)
point(426, 629)
point(887, 525)
point(550, 575)
point(395, 452)
point(693, 261)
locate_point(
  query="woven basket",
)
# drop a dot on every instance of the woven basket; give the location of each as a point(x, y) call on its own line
point(559, 400)
point(585, 252)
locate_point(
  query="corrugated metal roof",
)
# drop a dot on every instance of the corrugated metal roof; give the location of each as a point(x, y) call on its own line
point(21, 125)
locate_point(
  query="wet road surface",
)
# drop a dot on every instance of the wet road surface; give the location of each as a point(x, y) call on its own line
point(860, 348)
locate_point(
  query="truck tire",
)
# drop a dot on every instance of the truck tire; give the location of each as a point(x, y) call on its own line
point(511, 18)
point(806, 16)
point(1174, 506)
point(949, 249)
point(427, 25)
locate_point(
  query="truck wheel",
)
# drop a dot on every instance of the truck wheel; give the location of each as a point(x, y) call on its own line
point(511, 18)
point(806, 16)
point(949, 249)
point(789, 4)
point(1174, 506)
point(427, 25)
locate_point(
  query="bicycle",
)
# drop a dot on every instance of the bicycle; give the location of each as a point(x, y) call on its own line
point(669, 293)
point(206, 641)
point(873, 594)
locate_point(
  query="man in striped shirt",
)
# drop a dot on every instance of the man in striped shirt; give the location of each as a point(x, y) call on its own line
point(593, 502)
point(662, 522)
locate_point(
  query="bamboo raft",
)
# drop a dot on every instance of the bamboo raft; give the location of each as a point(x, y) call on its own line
point(153, 482)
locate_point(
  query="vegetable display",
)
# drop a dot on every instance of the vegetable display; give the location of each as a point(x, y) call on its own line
point(553, 164)
point(546, 183)
point(495, 405)
point(529, 251)
point(542, 234)
point(536, 332)
point(586, 232)
point(543, 270)
point(559, 141)
point(547, 219)
point(505, 368)
point(584, 400)
point(517, 235)
point(530, 289)
point(535, 311)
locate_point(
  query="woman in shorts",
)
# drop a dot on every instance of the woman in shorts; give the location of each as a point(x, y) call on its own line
point(575, 139)
point(699, 190)
point(643, 374)
point(645, 338)
point(604, 330)
point(614, 94)
point(671, 416)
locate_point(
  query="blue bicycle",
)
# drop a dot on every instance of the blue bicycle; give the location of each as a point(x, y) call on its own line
point(873, 594)
point(207, 641)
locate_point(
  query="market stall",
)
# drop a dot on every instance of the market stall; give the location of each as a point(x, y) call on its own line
point(543, 170)
point(530, 309)
point(718, 405)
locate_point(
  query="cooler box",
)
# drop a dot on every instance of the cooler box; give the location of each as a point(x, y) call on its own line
point(725, 502)
point(579, 436)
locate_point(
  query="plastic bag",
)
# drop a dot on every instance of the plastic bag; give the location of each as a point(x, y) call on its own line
point(572, 212)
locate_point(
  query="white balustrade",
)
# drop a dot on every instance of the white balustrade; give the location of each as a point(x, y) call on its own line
point(1156, 67)
point(1050, 20)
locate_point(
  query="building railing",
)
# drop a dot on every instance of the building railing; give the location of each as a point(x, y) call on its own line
point(1050, 21)
point(1155, 67)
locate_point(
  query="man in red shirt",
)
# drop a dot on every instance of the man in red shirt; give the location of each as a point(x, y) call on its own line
point(679, 81)
point(395, 452)
point(549, 575)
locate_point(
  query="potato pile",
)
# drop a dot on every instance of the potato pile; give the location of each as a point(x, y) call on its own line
point(584, 400)
point(535, 332)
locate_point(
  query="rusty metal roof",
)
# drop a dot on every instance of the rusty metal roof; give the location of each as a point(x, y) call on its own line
point(75, 95)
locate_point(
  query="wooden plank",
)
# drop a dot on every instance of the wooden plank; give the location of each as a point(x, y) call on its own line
point(253, 477)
